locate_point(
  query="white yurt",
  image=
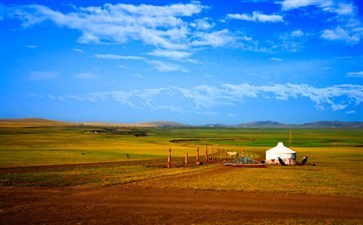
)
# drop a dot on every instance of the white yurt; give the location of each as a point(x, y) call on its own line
point(286, 154)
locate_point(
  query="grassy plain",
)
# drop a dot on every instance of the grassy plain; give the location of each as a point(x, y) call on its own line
point(45, 168)
point(336, 152)
point(26, 146)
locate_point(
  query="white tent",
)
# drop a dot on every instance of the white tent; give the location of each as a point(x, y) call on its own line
point(286, 154)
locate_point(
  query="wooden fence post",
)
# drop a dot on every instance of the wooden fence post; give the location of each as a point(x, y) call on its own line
point(206, 154)
point(186, 159)
point(197, 157)
point(212, 157)
point(243, 152)
point(169, 159)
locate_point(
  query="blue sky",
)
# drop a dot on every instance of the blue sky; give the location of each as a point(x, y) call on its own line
point(194, 62)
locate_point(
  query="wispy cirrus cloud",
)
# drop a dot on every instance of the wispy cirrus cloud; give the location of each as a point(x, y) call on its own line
point(204, 98)
point(177, 55)
point(166, 67)
point(79, 50)
point(275, 59)
point(118, 57)
point(257, 17)
point(291, 41)
point(293, 4)
point(355, 74)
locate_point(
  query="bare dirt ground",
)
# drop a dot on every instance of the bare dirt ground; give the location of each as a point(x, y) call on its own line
point(135, 204)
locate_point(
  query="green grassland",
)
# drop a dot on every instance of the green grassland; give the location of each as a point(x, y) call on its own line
point(25, 146)
point(337, 153)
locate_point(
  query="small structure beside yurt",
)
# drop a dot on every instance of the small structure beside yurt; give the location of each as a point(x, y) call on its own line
point(287, 155)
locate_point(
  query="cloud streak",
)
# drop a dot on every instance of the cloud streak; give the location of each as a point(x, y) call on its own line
point(118, 57)
point(166, 67)
point(257, 17)
point(205, 98)
point(176, 55)
point(358, 74)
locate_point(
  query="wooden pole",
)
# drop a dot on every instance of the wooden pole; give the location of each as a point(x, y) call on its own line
point(186, 159)
point(206, 154)
point(243, 152)
point(169, 159)
point(220, 153)
point(197, 157)
point(212, 157)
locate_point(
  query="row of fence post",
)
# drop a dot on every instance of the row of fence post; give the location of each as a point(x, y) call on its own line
point(207, 157)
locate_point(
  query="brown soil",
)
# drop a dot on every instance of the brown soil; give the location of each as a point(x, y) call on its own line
point(135, 204)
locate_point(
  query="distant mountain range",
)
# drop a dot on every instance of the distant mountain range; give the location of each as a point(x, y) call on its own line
point(333, 124)
point(318, 124)
point(262, 124)
point(36, 122)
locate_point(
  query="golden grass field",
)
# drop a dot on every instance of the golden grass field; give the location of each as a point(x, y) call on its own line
point(49, 157)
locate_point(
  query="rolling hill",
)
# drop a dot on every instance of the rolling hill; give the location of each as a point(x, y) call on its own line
point(38, 122)
point(32, 122)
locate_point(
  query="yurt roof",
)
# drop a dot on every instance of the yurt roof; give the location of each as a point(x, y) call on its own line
point(280, 148)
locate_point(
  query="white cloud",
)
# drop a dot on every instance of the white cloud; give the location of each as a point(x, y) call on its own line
point(166, 67)
point(214, 39)
point(291, 41)
point(348, 28)
point(158, 11)
point(294, 4)
point(118, 57)
point(297, 33)
point(170, 54)
point(275, 59)
point(79, 50)
point(240, 17)
point(320, 96)
point(204, 98)
point(154, 25)
point(164, 27)
point(340, 34)
point(257, 17)
point(345, 9)
point(203, 24)
point(355, 74)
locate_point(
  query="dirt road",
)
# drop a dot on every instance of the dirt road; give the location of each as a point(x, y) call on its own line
point(132, 204)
